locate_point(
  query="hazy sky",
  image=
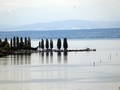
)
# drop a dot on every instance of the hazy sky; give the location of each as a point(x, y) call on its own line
point(20, 12)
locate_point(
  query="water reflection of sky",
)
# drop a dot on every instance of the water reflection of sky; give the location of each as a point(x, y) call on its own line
point(61, 71)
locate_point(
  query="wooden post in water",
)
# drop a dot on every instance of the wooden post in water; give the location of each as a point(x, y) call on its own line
point(110, 56)
point(100, 60)
point(93, 63)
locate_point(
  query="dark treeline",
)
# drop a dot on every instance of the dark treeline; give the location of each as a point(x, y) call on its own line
point(20, 43)
point(17, 43)
point(49, 45)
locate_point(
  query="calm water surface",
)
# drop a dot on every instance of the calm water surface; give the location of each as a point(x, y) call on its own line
point(64, 71)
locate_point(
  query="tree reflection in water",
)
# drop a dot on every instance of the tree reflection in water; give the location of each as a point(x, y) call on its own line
point(16, 59)
point(47, 57)
point(43, 57)
point(59, 57)
point(51, 57)
point(21, 59)
point(65, 57)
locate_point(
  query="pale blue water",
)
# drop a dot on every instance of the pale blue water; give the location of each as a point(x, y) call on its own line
point(64, 71)
point(106, 33)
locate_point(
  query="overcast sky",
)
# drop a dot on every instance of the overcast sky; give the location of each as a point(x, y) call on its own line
point(20, 12)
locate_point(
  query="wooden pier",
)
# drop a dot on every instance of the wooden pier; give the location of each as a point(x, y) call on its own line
point(70, 50)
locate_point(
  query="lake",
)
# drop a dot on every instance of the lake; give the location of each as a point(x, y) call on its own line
point(98, 70)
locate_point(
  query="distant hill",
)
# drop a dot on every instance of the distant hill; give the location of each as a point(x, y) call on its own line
point(65, 25)
point(5, 26)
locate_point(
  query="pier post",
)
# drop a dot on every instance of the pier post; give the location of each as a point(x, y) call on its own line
point(93, 63)
point(110, 56)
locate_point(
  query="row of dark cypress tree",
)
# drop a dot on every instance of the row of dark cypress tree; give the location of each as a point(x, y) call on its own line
point(18, 43)
point(41, 44)
point(65, 44)
point(47, 44)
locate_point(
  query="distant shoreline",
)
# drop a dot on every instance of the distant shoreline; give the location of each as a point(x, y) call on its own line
point(107, 33)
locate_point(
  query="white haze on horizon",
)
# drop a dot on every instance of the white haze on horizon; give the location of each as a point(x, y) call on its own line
point(19, 12)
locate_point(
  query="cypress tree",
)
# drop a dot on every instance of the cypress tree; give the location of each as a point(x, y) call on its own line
point(59, 43)
point(39, 45)
point(42, 44)
point(21, 43)
point(25, 42)
point(14, 42)
point(11, 43)
point(51, 44)
point(6, 40)
point(65, 44)
point(17, 42)
point(29, 43)
point(47, 43)
point(0, 42)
